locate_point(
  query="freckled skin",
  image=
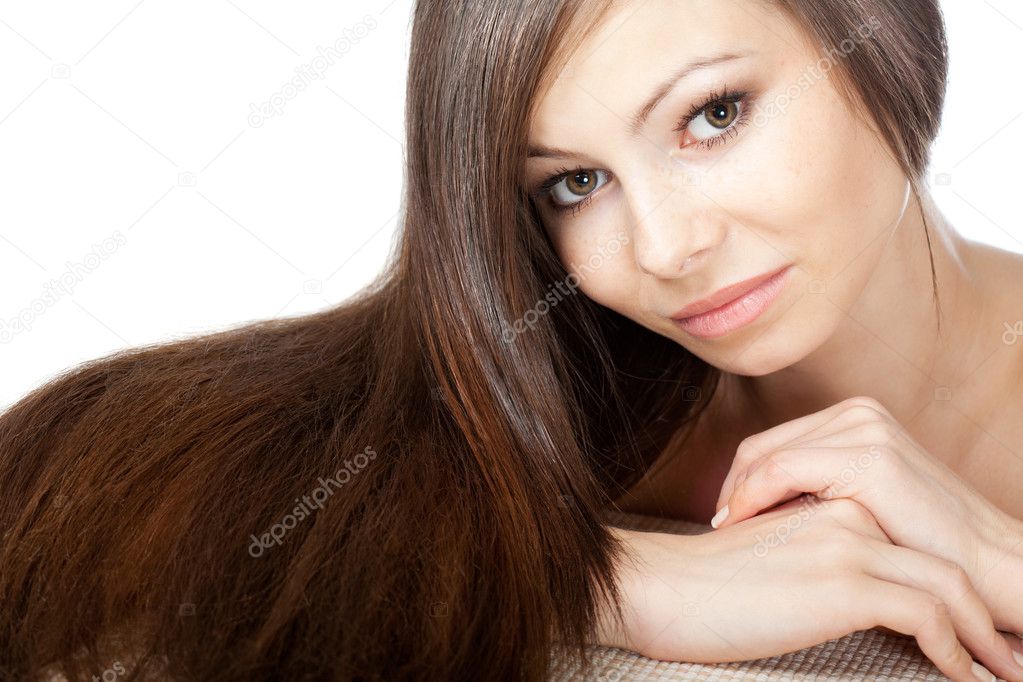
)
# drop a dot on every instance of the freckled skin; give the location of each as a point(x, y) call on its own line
point(807, 181)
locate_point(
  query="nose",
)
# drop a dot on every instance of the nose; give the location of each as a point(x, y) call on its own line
point(676, 228)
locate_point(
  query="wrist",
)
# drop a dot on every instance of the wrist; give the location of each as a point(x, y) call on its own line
point(614, 620)
point(1004, 537)
point(640, 577)
point(1001, 563)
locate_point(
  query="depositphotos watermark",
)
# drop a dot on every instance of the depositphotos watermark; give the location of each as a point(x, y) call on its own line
point(110, 674)
point(563, 288)
point(74, 273)
point(812, 503)
point(314, 500)
point(307, 73)
point(814, 73)
point(1012, 333)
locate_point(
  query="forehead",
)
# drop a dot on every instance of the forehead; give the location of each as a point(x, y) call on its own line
point(636, 45)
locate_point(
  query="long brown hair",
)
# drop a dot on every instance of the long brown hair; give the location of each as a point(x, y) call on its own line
point(394, 488)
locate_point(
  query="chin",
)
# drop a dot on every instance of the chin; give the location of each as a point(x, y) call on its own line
point(757, 360)
point(764, 351)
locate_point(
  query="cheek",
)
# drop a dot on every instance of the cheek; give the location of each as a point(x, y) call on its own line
point(613, 285)
point(601, 258)
point(830, 187)
point(860, 204)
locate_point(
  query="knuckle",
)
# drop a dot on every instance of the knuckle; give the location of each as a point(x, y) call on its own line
point(837, 546)
point(865, 402)
point(850, 514)
point(747, 451)
point(771, 471)
point(935, 607)
point(849, 510)
point(865, 415)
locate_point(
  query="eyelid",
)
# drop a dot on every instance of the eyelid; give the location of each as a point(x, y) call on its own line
point(724, 95)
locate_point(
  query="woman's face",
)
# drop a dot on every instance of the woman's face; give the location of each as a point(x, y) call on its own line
point(771, 169)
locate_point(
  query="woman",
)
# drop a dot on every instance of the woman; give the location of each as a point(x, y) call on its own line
point(413, 485)
point(758, 163)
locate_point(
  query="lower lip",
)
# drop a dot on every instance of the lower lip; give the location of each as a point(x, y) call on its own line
point(737, 314)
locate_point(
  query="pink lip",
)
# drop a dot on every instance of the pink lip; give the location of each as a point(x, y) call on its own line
point(732, 307)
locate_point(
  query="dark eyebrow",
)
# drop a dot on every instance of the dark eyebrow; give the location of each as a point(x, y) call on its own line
point(640, 117)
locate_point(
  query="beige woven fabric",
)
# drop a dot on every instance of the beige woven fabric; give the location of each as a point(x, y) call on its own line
point(865, 655)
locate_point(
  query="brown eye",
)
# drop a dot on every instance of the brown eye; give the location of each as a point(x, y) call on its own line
point(722, 114)
point(581, 183)
point(715, 120)
point(577, 186)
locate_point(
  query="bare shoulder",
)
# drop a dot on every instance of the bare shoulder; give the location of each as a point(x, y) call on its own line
point(986, 262)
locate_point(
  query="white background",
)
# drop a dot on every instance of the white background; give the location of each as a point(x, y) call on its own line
point(130, 122)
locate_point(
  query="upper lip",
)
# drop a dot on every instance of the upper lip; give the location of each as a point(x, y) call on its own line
point(725, 295)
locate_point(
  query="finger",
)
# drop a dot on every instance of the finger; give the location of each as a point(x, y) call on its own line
point(794, 504)
point(970, 616)
point(848, 514)
point(797, 503)
point(736, 469)
point(840, 436)
point(1015, 643)
point(765, 442)
point(851, 515)
point(855, 426)
point(845, 424)
point(1014, 640)
point(921, 615)
point(820, 471)
point(786, 432)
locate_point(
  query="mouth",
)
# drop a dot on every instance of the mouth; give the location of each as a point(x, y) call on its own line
point(732, 307)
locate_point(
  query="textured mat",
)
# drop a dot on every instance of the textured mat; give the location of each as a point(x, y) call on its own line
point(865, 655)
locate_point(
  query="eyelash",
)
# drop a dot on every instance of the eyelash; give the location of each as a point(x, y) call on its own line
point(725, 97)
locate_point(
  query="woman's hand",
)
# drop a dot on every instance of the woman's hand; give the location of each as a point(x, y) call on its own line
point(856, 450)
point(804, 573)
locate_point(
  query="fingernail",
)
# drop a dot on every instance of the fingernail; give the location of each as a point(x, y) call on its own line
point(719, 517)
point(982, 673)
